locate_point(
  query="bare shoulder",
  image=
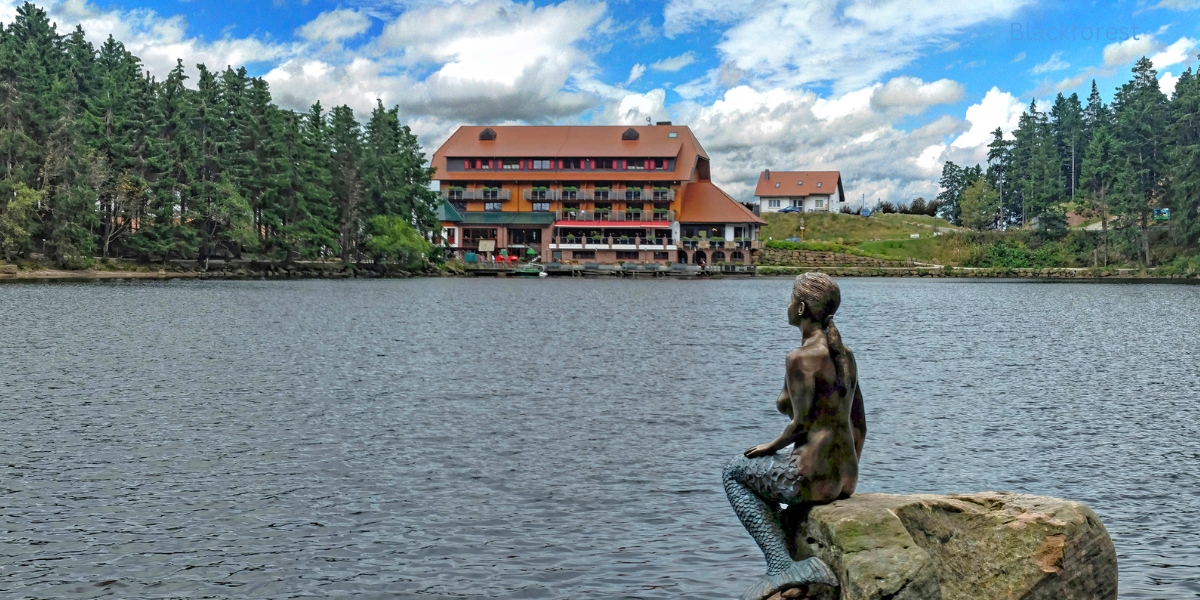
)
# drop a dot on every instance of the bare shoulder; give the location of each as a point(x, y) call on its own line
point(809, 358)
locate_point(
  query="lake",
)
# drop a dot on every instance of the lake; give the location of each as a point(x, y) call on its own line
point(550, 438)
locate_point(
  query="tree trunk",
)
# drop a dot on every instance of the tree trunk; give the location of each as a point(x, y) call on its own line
point(1104, 223)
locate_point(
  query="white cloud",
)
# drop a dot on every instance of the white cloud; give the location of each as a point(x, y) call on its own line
point(1166, 82)
point(1174, 54)
point(1119, 54)
point(636, 73)
point(911, 95)
point(1019, 57)
point(1055, 63)
point(850, 44)
point(335, 26)
point(996, 109)
point(638, 109)
point(674, 63)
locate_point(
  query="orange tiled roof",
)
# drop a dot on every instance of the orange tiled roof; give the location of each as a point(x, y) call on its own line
point(798, 183)
point(572, 141)
point(704, 202)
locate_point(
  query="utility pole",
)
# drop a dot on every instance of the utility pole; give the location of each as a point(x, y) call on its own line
point(801, 228)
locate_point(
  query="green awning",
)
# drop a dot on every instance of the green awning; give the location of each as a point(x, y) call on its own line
point(541, 219)
point(447, 213)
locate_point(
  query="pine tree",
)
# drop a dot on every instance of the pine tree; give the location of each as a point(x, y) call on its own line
point(1184, 159)
point(345, 140)
point(394, 171)
point(1068, 126)
point(999, 168)
point(1100, 170)
point(1140, 111)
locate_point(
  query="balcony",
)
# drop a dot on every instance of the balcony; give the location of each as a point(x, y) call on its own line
point(625, 195)
point(492, 195)
point(627, 216)
point(703, 244)
point(612, 243)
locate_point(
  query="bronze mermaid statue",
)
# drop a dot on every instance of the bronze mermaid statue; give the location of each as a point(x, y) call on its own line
point(826, 431)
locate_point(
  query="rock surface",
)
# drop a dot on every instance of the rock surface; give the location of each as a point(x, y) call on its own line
point(984, 546)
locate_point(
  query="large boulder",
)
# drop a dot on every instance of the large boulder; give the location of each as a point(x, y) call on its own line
point(984, 546)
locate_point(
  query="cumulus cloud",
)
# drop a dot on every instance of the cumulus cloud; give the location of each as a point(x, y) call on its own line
point(1055, 63)
point(1174, 54)
point(814, 42)
point(746, 130)
point(911, 95)
point(996, 109)
point(674, 63)
point(1119, 54)
point(335, 26)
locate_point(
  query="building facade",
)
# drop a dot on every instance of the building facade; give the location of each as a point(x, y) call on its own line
point(807, 191)
point(602, 194)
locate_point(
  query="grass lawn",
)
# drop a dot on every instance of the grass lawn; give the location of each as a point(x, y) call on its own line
point(885, 235)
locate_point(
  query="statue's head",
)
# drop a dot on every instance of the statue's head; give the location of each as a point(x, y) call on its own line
point(815, 296)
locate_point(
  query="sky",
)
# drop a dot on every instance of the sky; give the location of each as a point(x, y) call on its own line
point(884, 91)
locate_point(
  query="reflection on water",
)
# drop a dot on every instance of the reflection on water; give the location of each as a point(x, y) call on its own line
point(549, 438)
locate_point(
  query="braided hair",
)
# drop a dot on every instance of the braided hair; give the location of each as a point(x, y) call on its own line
point(821, 297)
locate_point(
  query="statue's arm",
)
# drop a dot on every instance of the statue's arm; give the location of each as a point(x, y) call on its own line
point(858, 421)
point(800, 400)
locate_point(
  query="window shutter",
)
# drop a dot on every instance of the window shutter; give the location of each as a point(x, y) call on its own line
point(624, 164)
point(491, 164)
point(522, 165)
point(560, 164)
point(593, 164)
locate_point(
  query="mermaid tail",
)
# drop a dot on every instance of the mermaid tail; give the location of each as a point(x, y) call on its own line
point(808, 573)
point(755, 487)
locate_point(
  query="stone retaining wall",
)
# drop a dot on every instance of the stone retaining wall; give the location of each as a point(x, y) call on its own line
point(809, 258)
point(964, 272)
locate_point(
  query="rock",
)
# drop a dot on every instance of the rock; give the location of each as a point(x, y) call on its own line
point(984, 546)
point(8, 269)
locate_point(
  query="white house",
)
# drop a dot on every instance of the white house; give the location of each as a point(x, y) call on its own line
point(809, 191)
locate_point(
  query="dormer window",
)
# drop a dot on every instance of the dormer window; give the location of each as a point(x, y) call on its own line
point(487, 134)
point(630, 134)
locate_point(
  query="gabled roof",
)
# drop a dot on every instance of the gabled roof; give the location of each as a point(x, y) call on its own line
point(569, 141)
point(704, 202)
point(797, 183)
point(447, 213)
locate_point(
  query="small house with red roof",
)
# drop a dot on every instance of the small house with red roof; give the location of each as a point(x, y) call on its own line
point(807, 191)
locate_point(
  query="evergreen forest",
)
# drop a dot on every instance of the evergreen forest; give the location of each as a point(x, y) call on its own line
point(100, 159)
point(1131, 166)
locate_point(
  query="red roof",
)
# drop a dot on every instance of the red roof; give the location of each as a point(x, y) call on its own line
point(798, 183)
point(704, 202)
point(572, 141)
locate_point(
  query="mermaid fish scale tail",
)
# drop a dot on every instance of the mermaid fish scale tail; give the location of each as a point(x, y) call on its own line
point(755, 486)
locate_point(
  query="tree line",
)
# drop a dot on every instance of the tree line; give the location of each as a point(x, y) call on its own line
point(101, 159)
point(1118, 162)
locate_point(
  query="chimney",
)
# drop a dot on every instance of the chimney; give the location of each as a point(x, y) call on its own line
point(767, 174)
point(662, 123)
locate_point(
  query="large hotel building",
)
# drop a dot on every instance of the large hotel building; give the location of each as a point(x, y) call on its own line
point(589, 194)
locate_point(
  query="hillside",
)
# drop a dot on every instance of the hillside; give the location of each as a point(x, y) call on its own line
point(883, 235)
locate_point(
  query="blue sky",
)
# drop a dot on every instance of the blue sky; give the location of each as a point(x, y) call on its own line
point(883, 90)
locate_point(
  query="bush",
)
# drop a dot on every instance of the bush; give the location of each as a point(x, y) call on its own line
point(394, 240)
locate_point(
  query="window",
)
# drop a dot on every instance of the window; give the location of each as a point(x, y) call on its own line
point(627, 255)
point(798, 202)
point(776, 184)
point(820, 202)
point(662, 256)
point(673, 135)
point(460, 206)
point(572, 163)
point(633, 194)
point(604, 163)
point(583, 254)
point(541, 206)
point(635, 164)
point(510, 164)
point(818, 184)
point(491, 193)
point(772, 204)
point(492, 206)
point(543, 164)
point(479, 234)
point(658, 164)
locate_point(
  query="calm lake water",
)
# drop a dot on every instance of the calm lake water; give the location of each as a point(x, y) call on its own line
point(451, 438)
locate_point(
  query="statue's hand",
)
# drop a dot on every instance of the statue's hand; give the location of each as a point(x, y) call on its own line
point(759, 450)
